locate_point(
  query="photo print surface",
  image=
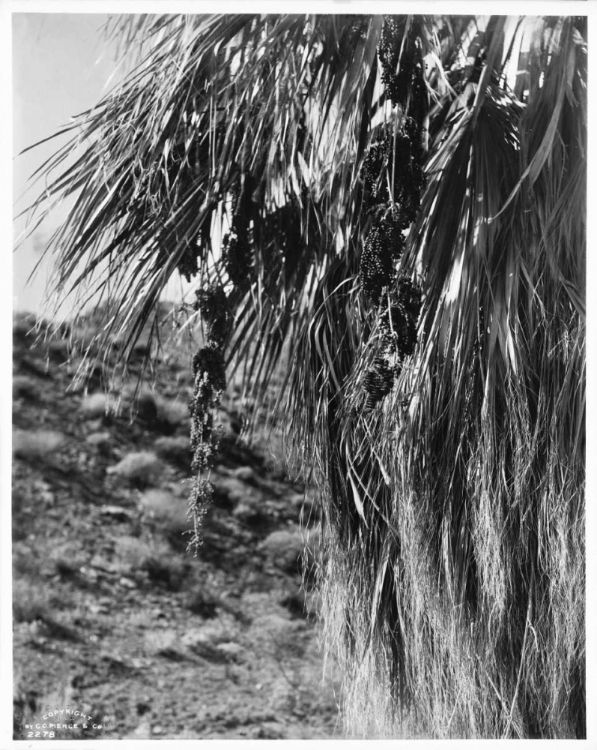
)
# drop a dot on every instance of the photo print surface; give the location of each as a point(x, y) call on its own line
point(298, 440)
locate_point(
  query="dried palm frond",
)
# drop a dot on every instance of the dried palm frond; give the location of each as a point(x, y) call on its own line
point(485, 521)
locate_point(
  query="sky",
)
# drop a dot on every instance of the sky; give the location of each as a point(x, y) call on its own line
point(61, 67)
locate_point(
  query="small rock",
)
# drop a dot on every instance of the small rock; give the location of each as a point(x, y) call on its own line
point(127, 583)
point(99, 439)
point(193, 638)
point(100, 563)
point(117, 513)
point(212, 633)
point(230, 649)
point(164, 642)
point(36, 444)
point(89, 573)
point(143, 467)
point(157, 729)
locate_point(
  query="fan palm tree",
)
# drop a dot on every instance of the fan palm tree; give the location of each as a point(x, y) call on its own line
point(397, 203)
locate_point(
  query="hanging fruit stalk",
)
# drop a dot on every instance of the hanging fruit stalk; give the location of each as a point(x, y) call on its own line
point(209, 366)
point(209, 371)
point(393, 179)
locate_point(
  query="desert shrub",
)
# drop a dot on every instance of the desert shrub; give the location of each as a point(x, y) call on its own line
point(99, 405)
point(28, 444)
point(141, 468)
point(166, 512)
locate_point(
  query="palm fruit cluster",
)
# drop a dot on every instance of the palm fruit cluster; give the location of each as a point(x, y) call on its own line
point(395, 157)
point(396, 72)
point(378, 381)
point(212, 303)
point(237, 245)
point(393, 180)
point(410, 296)
point(375, 164)
point(210, 380)
point(383, 247)
point(188, 264)
point(237, 254)
point(403, 72)
point(201, 496)
point(398, 319)
point(358, 27)
point(209, 364)
point(209, 371)
point(409, 178)
point(393, 323)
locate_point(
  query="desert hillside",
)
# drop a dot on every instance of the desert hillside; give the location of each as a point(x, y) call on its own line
point(112, 616)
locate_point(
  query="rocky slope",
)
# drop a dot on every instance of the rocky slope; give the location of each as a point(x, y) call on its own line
point(112, 616)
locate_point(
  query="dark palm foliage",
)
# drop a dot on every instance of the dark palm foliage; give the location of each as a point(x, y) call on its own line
point(382, 199)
